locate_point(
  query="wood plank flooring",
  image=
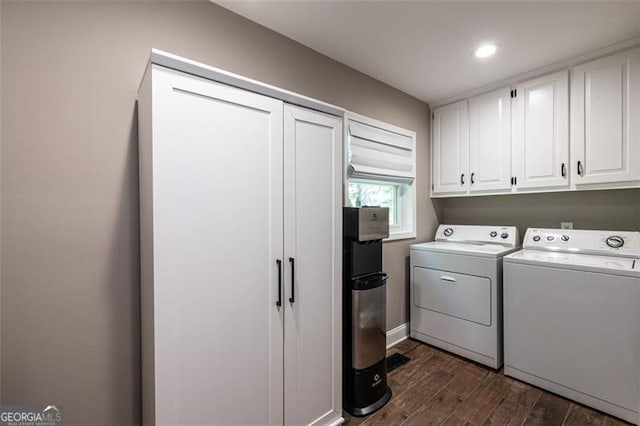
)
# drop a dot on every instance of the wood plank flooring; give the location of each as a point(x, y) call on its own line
point(436, 387)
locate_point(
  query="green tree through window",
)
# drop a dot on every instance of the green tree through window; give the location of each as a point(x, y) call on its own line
point(375, 194)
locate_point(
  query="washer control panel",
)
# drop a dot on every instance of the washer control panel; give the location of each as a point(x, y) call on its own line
point(615, 243)
point(502, 235)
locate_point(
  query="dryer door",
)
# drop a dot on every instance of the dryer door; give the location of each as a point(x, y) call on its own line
point(462, 296)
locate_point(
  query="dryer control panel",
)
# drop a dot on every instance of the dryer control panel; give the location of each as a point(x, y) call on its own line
point(613, 243)
point(502, 235)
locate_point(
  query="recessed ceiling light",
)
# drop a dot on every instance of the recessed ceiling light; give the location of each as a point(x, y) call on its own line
point(486, 50)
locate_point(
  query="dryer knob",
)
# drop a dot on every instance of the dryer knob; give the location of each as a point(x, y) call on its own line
point(565, 238)
point(504, 235)
point(493, 234)
point(448, 232)
point(536, 238)
point(615, 241)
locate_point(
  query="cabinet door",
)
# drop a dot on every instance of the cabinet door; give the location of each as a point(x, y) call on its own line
point(605, 119)
point(451, 149)
point(313, 249)
point(490, 141)
point(541, 132)
point(218, 226)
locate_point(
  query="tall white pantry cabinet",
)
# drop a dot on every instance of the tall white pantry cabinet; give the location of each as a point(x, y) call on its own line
point(240, 203)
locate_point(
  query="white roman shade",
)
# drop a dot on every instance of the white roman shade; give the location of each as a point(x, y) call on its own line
point(380, 154)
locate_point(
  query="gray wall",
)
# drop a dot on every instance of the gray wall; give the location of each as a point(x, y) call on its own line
point(0, 196)
point(69, 186)
point(609, 210)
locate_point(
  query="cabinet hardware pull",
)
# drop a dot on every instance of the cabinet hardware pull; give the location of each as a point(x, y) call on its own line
point(472, 178)
point(448, 279)
point(292, 299)
point(462, 179)
point(563, 170)
point(580, 168)
point(279, 301)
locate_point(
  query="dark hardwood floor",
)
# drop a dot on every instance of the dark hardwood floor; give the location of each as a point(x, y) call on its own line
point(436, 387)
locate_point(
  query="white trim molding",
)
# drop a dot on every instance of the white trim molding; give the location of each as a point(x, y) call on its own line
point(178, 63)
point(397, 335)
point(337, 422)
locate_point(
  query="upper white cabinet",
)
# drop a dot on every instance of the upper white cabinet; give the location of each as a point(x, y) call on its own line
point(450, 144)
point(540, 140)
point(605, 120)
point(490, 141)
point(539, 136)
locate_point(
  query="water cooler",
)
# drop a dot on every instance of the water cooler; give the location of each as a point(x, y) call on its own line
point(364, 368)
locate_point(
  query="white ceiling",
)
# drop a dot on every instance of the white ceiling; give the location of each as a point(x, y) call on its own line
point(424, 47)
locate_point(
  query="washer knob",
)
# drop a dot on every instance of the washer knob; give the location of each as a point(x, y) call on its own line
point(536, 238)
point(565, 238)
point(615, 241)
point(504, 235)
point(448, 232)
point(550, 238)
point(493, 234)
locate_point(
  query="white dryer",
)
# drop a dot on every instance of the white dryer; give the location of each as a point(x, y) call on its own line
point(572, 316)
point(456, 290)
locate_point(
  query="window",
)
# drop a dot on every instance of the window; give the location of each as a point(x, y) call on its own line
point(396, 196)
point(364, 193)
point(381, 172)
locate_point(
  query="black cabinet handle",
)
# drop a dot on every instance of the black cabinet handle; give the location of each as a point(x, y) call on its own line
point(279, 302)
point(563, 170)
point(462, 179)
point(292, 299)
point(580, 168)
point(472, 180)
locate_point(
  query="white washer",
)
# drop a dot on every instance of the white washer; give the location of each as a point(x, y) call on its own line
point(572, 316)
point(456, 290)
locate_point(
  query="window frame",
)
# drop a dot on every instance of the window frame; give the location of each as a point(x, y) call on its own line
point(406, 203)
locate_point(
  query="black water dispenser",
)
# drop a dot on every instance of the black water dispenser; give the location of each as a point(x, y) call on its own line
point(364, 378)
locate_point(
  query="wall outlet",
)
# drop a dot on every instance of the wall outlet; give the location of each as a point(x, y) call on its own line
point(566, 225)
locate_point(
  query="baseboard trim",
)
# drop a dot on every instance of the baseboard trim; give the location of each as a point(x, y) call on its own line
point(397, 334)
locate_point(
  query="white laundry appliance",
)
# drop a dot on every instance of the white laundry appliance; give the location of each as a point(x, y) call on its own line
point(572, 316)
point(456, 290)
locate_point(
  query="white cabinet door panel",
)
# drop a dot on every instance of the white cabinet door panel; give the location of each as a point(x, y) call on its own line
point(605, 120)
point(450, 149)
point(218, 226)
point(313, 223)
point(541, 132)
point(490, 141)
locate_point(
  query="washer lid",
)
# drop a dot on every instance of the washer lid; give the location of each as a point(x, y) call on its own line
point(484, 250)
point(582, 262)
